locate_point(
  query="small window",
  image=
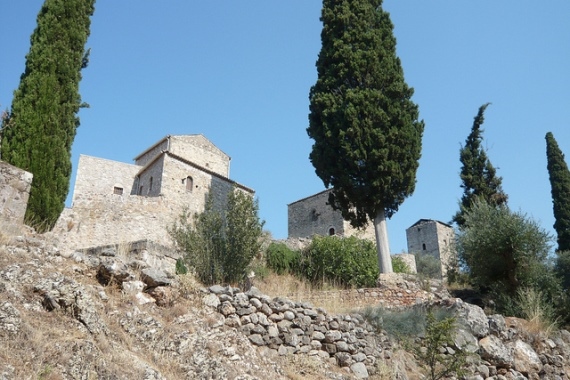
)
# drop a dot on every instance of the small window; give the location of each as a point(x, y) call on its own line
point(424, 246)
point(150, 185)
point(189, 184)
point(331, 231)
point(118, 190)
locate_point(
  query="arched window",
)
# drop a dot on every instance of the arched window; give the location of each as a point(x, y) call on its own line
point(331, 231)
point(189, 184)
point(424, 246)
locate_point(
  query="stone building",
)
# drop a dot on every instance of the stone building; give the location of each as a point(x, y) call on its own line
point(314, 216)
point(115, 202)
point(15, 185)
point(432, 237)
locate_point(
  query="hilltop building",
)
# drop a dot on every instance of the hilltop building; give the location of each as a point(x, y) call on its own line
point(115, 202)
point(313, 215)
point(432, 237)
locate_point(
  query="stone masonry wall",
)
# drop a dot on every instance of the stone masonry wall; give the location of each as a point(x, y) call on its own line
point(430, 237)
point(149, 155)
point(98, 176)
point(313, 216)
point(198, 149)
point(123, 218)
point(15, 186)
point(150, 181)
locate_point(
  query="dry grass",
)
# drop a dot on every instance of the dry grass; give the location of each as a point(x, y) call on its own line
point(299, 290)
point(299, 367)
point(538, 313)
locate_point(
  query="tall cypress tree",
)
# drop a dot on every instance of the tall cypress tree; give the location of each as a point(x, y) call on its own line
point(39, 130)
point(478, 176)
point(560, 188)
point(365, 126)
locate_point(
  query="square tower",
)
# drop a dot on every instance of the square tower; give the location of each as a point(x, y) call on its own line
point(432, 237)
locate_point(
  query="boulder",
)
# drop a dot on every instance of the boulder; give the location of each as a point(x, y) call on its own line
point(493, 350)
point(525, 359)
point(153, 277)
point(471, 317)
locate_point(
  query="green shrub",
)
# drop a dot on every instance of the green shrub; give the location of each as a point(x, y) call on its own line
point(281, 259)
point(399, 265)
point(221, 242)
point(428, 265)
point(502, 249)
point(349, 262)
point(402, 323)
point(180, 267)
point(438, 334)
point(435, 327)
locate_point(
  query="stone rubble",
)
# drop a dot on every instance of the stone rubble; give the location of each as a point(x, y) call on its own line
point(134, 312)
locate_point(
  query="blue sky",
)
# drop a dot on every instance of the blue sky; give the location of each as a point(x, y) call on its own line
point(240, 73)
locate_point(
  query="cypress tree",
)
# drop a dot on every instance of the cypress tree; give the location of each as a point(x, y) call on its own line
point(367, 136)
point(39, 130)
point(560, 189)
point(479, 177)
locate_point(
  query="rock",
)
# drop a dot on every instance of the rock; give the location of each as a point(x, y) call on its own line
point(211, 300)
point(525, 359)
point(153, 277)
point(471, 317)
point(343, 359)
point(493, 350)
point(62, 292)
point(164, 296)
point(9, 319)
point(465, 340)
point(359, 370)
point(257, 339)
point(112, 270)
point(497, 325)
point(132, 287)
point(143, 298)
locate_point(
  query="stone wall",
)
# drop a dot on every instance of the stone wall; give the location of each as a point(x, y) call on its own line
point(150, 181)
point(99, 177)
point(148, 155)
point(15, 186)
point(198, 149)
point(116, 202)
point(115, 219)
point(314, 216)
point(409, 259)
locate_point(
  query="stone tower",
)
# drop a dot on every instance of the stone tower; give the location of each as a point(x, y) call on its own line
point(432, 237)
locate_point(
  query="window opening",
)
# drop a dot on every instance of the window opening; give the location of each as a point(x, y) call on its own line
point(189, 184)
point(150, 185)
point(424, 246)
point(331, 231)
point(117, 190)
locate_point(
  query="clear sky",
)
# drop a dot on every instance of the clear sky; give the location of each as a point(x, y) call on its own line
point(239, 72)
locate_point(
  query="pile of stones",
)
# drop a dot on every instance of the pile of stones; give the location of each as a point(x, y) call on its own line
point(299, 328)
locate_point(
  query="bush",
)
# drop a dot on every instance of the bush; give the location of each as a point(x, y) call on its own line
point(220, 244)
point(281, 259)
point(436, 326)
point(438, 334)
point(349, 262)
point(402, 323)
point(428, 265)
point(502, 249)
point(399, 265)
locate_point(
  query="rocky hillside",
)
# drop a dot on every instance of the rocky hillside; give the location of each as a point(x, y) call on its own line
point(111, 316)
